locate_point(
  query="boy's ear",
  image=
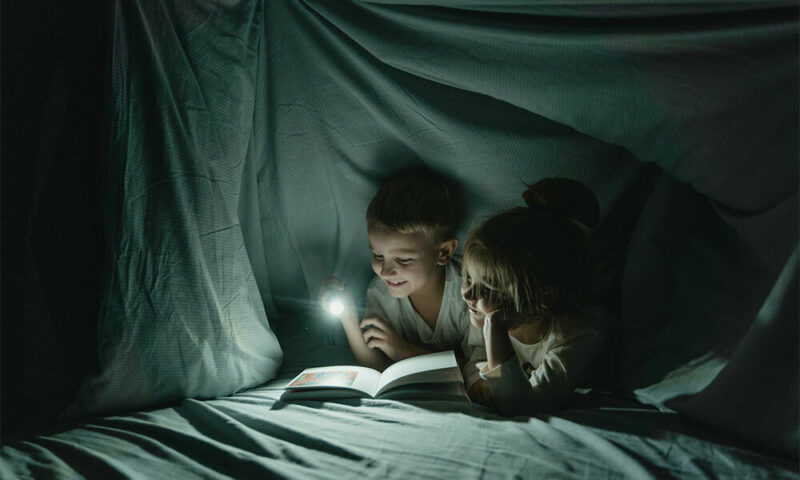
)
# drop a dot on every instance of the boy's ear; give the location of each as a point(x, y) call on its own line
point(446, 250)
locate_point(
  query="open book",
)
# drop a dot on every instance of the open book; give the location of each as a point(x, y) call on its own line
point(435, 375)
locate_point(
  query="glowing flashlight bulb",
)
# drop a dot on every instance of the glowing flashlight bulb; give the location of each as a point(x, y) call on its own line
point(336, 307)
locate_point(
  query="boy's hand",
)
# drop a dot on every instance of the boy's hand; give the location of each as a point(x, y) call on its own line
point(385, 338)
point(333, 288)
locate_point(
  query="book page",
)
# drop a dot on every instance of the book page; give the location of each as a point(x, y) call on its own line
point(433, 367)
point(455, 391)
point(341, 376)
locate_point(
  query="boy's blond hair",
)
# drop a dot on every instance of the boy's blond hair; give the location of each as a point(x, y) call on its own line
point(416, 200)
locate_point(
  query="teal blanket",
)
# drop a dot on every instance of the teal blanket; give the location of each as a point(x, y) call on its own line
point(252, 435)
point(247, 138)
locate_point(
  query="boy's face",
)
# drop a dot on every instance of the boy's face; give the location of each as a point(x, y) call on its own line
point(405, 261)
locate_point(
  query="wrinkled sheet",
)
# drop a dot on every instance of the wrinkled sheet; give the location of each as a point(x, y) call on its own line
point(252, 435)
point(247, 138)
point(181, 314)
point(681, 116)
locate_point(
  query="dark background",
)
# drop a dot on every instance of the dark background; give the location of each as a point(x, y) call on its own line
point(52, 170)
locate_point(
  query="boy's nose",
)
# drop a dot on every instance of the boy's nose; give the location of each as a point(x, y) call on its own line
point(386, 270)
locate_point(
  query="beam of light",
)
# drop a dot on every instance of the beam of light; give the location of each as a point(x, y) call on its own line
point(335, 307)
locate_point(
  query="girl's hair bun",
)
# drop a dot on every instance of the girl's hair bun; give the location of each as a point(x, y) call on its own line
point(564, 197)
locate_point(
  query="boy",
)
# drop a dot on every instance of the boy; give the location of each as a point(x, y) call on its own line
point(414, 304)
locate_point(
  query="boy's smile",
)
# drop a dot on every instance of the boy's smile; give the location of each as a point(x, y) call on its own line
point(405, 261)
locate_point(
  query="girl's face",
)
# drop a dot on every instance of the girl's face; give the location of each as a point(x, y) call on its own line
point(405, 261)
point(476, 296)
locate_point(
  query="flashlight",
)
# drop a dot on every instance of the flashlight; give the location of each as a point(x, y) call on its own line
point(335, 307)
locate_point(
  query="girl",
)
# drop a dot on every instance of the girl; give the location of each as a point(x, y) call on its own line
point(526, 276)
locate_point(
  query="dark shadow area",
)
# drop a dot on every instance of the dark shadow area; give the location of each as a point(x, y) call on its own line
point(612, 413)
point(52, 172)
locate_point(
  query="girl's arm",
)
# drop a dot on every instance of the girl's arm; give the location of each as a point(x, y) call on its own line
point(498, 346)
point(554, 382)
point(550, 386)
point(507, 384)
point(472, 348)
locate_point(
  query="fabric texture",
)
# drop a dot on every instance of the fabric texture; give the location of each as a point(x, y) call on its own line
point(681, 117)
point(453, 329)
point(542, 377)
point(253, 435)
point(181, 314)
point(249, 136)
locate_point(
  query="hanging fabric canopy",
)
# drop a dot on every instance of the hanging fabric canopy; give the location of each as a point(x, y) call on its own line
point(247, 138)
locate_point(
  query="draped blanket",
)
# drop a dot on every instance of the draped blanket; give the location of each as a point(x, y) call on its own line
point(247, 138)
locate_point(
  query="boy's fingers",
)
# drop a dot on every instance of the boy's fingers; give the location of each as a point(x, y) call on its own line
point(332, 283)
point(376, 343)
point(332, 286)
point(373, 333)
point(374, 322)
point(325, 296)
point(329, 292)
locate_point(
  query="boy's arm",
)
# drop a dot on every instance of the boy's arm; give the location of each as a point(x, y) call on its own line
point(382, 336)
point(365, 356)
point(333, 287)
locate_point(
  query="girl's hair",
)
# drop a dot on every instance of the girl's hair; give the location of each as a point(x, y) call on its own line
point(536, 259)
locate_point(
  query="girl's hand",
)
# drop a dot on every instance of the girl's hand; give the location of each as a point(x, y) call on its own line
point(495, 335)
point(334, 289)
point(479, 393)
point(385, 338)
point(502, 319)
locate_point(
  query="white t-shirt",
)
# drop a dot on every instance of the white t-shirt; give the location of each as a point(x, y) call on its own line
point(542, 376)
point(453, 329)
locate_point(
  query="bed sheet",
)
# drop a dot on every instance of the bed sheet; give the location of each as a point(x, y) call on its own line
point(247, 138)
point(255, 435)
